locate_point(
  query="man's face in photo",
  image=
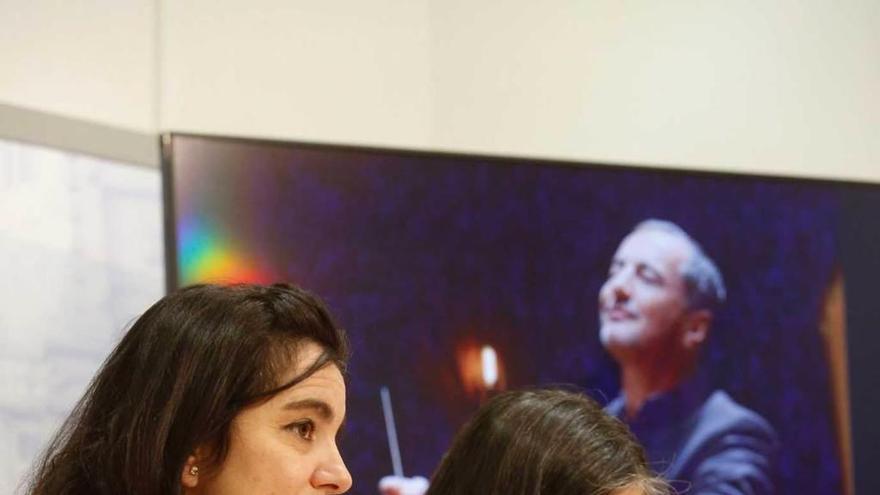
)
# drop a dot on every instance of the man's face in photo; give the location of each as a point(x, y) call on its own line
point(643, 302)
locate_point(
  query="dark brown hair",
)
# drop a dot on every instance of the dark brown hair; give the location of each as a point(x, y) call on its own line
point(176, 380)
point(543, 442)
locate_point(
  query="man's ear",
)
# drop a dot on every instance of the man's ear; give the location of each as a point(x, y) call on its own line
point(696, 329)
point(189, 477)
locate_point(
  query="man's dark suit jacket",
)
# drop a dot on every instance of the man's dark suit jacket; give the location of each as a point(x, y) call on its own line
point(704, 443)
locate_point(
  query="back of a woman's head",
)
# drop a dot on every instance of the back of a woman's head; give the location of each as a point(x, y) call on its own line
point(176, 380)
point(543, 442)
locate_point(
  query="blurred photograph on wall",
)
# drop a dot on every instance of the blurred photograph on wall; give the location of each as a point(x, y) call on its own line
point(707, 311)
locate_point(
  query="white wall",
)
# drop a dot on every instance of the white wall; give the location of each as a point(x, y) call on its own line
point(788, 87)
point(94, 61)
point(340, 71)
point(770, 87)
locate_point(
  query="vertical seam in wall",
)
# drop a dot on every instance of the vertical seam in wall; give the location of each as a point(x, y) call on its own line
point(431, 78)
point(157, 65)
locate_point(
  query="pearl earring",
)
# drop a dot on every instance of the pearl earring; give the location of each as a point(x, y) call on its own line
point(194, 470)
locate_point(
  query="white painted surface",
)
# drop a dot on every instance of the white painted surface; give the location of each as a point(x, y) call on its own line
point(346, 72)
point(784, 87)
point(769, 87)
point(81, 256)
point(94, 60)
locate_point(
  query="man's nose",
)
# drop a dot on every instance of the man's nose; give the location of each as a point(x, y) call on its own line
point(331, 476)
point(621, 292)
point(621, 286)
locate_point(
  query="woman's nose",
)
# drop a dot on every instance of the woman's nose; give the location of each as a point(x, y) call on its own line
point(332, 476)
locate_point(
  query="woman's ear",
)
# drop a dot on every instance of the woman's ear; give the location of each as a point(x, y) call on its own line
point(189, 477)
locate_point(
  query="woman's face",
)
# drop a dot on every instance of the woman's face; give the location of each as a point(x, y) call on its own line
point(286, 445)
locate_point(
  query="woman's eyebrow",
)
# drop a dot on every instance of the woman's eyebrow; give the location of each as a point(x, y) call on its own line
point(322, 408)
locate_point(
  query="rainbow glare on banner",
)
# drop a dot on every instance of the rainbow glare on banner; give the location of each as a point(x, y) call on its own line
point(205, 256)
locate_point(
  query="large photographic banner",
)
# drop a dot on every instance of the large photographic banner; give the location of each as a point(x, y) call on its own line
point(460, 276)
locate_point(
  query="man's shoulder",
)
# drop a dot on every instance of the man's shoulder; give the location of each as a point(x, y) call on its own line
point(720, 414)
point(717, 415)
point(728, 443)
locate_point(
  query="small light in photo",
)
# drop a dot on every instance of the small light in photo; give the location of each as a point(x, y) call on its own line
point(480, 368)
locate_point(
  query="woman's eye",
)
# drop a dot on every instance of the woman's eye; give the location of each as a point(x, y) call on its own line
point(305, 429)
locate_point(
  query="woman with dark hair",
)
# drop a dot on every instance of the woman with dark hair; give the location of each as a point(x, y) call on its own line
point(222, 390)
point(544, 442)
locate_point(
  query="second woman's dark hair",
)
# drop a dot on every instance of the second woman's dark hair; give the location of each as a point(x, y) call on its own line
point(543, 442)
point(175, 382)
